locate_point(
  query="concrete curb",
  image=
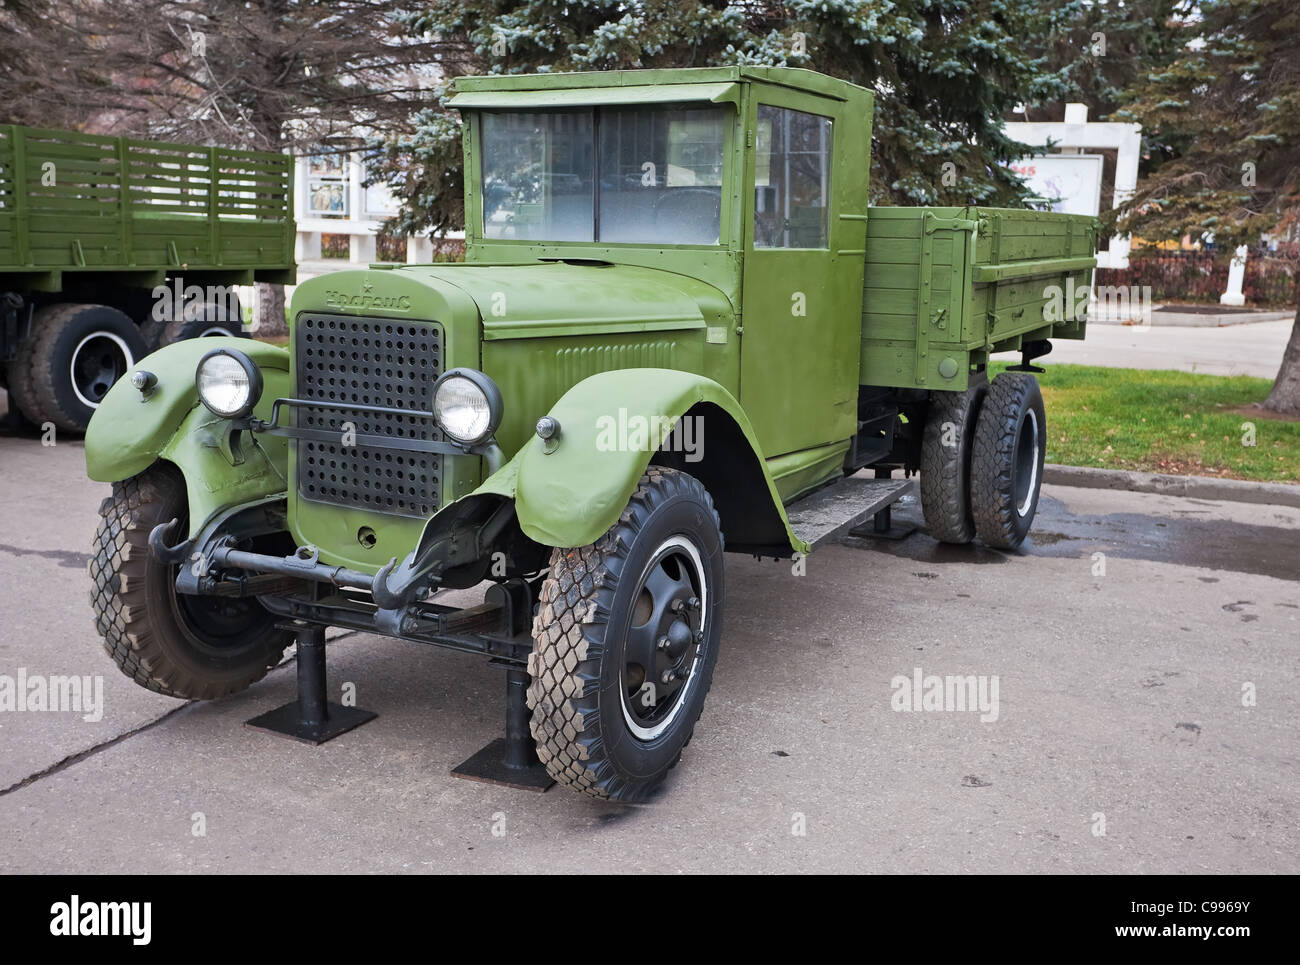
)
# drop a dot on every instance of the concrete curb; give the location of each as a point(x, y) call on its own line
point(1199, 487)
point(1177, 319)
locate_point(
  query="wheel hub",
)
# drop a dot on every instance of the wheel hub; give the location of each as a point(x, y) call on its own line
point(99, 360)
point(1026, 463)
point(665, 638)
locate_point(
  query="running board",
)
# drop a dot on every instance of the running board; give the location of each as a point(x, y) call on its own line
point(831, 512)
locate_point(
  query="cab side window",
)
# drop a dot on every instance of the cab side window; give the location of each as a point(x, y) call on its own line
point(791, 178)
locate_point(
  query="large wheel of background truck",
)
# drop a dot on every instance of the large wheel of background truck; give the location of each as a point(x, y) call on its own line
point(70, 359)
point(945, 463)
point(18, 383)
point(1007, 461)
point(192, 647)
point(198, 320)
point(625, 641)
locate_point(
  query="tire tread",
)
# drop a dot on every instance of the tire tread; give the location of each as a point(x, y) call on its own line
point(567, 652)
point(993, 459)
point(117, 568)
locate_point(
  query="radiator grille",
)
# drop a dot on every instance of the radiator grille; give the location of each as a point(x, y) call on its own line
point(369, 361)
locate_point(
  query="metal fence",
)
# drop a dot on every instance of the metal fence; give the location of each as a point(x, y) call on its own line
point(1202, 276)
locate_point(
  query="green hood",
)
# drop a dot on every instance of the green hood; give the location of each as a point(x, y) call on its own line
point(557, 298)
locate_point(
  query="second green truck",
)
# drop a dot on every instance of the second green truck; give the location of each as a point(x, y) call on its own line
point(111, 247)
point(679, 329)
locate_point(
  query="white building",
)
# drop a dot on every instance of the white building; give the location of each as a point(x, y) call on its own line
point(1073, 166)
point(331, 199)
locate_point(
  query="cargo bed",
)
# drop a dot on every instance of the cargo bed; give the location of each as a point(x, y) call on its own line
point(945, 288)
point(79, 203)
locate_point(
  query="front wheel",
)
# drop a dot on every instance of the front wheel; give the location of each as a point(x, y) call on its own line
point(193, 647)
point(625, 641)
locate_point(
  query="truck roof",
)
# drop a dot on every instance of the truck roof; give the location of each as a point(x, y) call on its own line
point(470, 91)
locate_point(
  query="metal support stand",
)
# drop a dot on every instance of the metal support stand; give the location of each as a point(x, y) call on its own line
point(510, 760)
point(311, 718)
point(882, 523)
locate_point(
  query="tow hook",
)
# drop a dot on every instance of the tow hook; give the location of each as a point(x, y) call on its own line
point(415, 586)
point(158, 537)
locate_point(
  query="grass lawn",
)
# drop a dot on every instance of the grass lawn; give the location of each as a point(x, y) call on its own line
point(1168, 422)
point(1157, 421)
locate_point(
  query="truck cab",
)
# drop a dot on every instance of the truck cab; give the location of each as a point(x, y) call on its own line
point(679, 330)
point(750, 181)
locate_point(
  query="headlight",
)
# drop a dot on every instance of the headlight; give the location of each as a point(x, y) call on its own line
point(467, 405)
point(229, 383)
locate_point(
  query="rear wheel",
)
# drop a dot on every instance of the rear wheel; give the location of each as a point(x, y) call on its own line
point(193, 647)
point(1007, 460)
point(198, 320)
point(625, 641)
point(945, 463)
point(18, 383)
point(69, 361)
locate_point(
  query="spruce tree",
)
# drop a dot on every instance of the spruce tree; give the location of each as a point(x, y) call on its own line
point(1223, 125)
point(944, 73)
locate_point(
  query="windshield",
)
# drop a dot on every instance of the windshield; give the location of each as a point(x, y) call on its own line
point(632, 175)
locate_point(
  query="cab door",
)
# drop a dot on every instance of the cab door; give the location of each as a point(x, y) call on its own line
point(801, 293)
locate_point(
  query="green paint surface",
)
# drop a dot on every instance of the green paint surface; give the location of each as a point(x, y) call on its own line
point(805, 295)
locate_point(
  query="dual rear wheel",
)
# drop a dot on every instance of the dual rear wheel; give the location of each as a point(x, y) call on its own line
point(74, 353)
point(982, 461)
point(68, 362)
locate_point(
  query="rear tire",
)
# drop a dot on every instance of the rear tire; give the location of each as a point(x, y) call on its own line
point(199, 320)
point(1007, 461)
point(18, 378)
point(613, 705)
point(945, 463)
point(70, 359)
point(15, 421)
point(191, 647)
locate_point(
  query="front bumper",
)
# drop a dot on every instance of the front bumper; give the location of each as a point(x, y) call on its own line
point(302, 589)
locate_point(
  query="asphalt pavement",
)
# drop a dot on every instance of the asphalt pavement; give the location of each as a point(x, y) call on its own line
point(1144, 651)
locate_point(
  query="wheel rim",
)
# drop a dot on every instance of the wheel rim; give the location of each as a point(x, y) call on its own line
point(216, 626)
point(665, 638)
point(1027, 448)
point(99, 360)
point(214, 332)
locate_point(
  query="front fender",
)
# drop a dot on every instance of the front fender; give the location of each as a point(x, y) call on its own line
point(571, 495)
point(128, 433)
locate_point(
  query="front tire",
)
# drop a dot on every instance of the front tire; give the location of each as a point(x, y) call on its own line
point(192, 647)
point(625, 641)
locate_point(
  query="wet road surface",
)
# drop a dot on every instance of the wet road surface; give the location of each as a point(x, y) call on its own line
point(1146, 650)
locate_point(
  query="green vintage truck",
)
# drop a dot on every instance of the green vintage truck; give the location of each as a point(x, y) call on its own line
point(111, 247)
point(680, 329)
